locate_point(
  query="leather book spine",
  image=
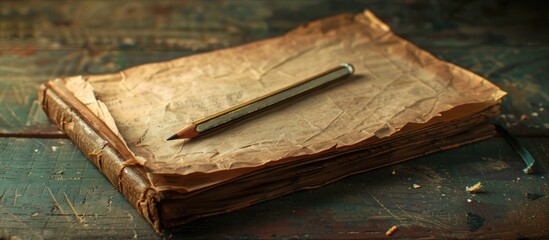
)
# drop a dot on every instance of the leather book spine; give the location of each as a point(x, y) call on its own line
point(90, 137)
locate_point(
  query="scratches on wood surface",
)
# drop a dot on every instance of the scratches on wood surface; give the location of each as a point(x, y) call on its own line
point(35, 108)
point(84, 203)
point(41, 199)
point(15, 195)
point(76, 215)
point(23, 224)
point(383, 206)
point(57, 206)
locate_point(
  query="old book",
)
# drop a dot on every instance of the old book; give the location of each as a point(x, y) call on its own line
point(403, 103)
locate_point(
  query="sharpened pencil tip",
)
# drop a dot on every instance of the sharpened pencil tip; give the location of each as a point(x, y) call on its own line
point(172, 137)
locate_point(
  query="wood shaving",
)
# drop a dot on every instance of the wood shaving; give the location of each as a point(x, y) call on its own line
point(475, 188)
point(391, 230)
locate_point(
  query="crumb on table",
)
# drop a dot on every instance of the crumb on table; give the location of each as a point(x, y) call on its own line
point(391, 230)
point(475, 188)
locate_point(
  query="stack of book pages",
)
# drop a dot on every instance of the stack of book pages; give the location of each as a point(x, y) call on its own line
point(402, 103)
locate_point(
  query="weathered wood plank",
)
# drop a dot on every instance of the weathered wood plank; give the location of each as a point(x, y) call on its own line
point(36, 174)
point(49, 190)
point(522, 72)
point(201, 25)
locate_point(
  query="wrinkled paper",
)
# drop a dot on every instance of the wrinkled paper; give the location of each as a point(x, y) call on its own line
point(396, 83)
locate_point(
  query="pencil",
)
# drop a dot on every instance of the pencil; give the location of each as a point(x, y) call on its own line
point(264, 102)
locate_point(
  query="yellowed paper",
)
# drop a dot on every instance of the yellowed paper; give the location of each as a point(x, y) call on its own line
point(396, 84)
point(83, 91)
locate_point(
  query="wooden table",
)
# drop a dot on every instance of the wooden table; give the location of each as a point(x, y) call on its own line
point(49, 190)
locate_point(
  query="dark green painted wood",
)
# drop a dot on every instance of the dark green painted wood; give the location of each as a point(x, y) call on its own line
point(522, 72)
point(40, 179)
point(361, 206)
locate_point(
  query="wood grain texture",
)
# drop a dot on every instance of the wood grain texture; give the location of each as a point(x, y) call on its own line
point(49, 189)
